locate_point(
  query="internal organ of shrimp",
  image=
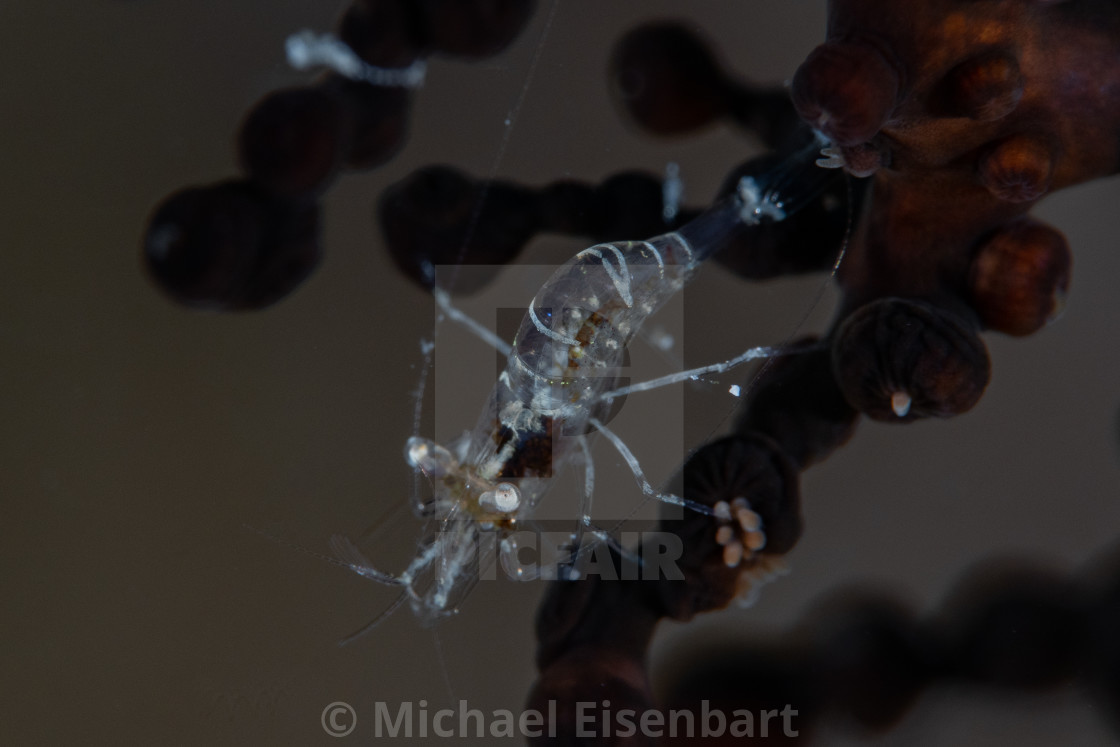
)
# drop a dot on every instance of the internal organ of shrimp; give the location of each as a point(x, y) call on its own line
point(567, 355)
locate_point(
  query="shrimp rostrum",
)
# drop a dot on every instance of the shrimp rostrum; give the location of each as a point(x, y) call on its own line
point(560, 380)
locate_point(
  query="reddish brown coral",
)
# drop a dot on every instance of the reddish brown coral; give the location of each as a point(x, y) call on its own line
point(992, 105)
point(965, 113)
point(974, 112)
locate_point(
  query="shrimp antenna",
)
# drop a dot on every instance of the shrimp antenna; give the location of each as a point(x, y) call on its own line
point(341, 545)
point(297, 547)
point(375, 621)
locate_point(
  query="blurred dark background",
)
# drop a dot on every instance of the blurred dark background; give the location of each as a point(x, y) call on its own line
point(138, 437)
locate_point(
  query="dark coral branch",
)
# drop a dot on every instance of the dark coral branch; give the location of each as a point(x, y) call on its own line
point(964, 119)
point(864, 658)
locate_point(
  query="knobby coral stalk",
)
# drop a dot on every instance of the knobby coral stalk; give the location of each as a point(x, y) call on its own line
point(963, 114)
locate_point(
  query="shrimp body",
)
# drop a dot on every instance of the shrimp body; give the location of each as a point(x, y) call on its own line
point(561, 375)
point(567, 353)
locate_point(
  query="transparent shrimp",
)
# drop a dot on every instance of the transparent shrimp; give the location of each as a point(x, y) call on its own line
point(558, 385)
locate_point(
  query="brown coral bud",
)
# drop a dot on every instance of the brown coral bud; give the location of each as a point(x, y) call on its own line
point(898, 360)
point(798, 404)
point(869, 657)
point(846, 90)
point(862, 160)
point(293, 141)
point(473, 29)
point(753, 487)
point(380, 119)
point(1017, 169)
point(720, 676)
point(386, 33)
point(231, 246)
point(438, 216)
point(1014, 626)
point(619, 682)
point(1019, 278)
point(985, 88)
point(665, 76)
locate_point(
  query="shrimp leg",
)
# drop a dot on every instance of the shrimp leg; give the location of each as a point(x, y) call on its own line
point(471, 325)
point(695, 373)
point(586, 526)
point(352, 558)
point(639, 475)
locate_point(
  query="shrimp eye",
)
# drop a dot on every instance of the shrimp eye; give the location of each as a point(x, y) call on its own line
point(429, 457)
point(505, 497)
